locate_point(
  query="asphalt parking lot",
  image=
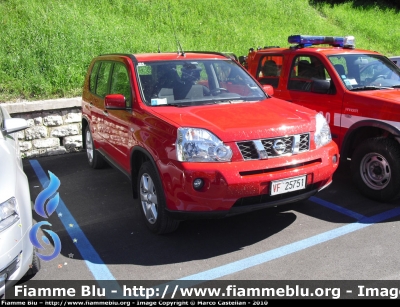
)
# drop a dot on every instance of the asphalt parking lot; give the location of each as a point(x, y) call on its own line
point(336, 235)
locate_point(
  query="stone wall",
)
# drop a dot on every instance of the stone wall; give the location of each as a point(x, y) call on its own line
point(54, 126)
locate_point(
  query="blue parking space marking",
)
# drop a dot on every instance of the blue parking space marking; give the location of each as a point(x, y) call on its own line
point(101, 272)
point(337, 208)
point(258, 259)
point(92, 259)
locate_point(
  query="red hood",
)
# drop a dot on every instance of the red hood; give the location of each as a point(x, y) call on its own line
point(391, 95)
point(243, 121)
point(379, 104)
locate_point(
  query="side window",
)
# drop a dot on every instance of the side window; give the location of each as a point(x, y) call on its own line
point(93, 77)
point(102, 79)
point(269, 70)
point(120, 82)
point(340, 65)
point(348, 69)
point(304, 70)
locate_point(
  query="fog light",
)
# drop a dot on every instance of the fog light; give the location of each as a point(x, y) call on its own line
point(198, 183)
point(334, 159)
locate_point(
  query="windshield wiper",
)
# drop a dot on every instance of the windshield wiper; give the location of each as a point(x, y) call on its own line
point(178, 105)
point(370, 87)
point(171, 104)
point(230, 100)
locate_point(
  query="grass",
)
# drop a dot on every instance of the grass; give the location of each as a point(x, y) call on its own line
point(46, 45)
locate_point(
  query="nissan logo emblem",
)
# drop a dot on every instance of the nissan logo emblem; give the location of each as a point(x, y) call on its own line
point(279, 146)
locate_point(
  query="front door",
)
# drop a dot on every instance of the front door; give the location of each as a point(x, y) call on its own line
point(304, 71)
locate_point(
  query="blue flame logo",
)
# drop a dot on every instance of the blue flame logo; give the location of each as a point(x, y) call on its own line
point(48, 194)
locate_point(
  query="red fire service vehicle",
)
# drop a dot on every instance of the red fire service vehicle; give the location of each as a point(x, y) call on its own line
point(199, 138)
point(358, 92)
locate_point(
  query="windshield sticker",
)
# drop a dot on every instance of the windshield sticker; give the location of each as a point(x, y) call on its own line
point(158, 101)
point(141, 64)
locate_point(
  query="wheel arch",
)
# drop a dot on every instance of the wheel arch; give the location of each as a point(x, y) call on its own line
point(85, 123)
point(363, 130)
point(139, 155)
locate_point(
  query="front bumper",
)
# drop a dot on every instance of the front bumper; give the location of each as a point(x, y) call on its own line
point(237, 187)
point(16, 251)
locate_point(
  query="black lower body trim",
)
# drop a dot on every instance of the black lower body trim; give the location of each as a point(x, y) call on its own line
point(239, 209)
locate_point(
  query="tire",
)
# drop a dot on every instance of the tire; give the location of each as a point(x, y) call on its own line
point(95, 160)
point(375, 167)
point(35, 266)
point(152, 201)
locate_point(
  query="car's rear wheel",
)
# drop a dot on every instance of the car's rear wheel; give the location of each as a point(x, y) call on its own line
point(152, 201)
point(95, 160)
point(376, 169)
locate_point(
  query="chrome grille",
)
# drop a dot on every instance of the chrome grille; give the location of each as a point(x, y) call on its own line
point(304, 142)
point(248, 150)
point(269, 143)
point(274, 147)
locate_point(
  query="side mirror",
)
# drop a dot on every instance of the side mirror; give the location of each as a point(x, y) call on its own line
point(115, 102)
point(12, 125)
point(268, 89)
point(320, 86)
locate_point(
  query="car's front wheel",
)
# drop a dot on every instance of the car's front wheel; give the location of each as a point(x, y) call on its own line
point(152, 201)
point(376, 169)
point(95, 160)
point(35, 265)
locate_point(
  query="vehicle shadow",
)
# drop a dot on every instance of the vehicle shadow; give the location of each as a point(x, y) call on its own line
point(101, 203)
point(344, 195)
point(366, 5)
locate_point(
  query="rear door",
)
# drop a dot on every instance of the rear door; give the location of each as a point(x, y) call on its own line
point(93, 106)
point(99, 113)
point(118, 122)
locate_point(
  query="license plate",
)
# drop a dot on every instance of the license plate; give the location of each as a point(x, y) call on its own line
point(288, 185)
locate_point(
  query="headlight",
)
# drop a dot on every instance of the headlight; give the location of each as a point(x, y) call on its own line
point(8, 213)
point(322, 134)
point(199, 145)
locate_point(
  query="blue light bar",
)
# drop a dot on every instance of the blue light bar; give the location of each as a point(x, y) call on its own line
point(309, 40)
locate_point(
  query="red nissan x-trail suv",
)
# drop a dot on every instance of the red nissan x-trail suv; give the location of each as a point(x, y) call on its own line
point(199, 138)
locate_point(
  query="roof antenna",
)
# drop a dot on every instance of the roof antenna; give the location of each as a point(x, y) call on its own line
point(180, 50)
point(159, 47)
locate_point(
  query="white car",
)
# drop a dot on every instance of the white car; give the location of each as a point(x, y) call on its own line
point(396, 60)
point(17, 256)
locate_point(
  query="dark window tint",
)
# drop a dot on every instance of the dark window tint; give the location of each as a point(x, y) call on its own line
point(120, 82)
point(305, 69)
point(269, 70)
point(93, 77)
point(102, 79)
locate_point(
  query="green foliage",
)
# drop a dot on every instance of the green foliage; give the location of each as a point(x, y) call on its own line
point(46, 45)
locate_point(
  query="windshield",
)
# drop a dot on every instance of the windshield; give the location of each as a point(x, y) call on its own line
point(366, 72)
point(195, 82)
